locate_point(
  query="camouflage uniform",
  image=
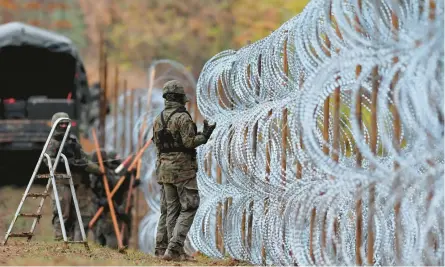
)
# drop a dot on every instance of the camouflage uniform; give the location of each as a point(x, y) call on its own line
point(176, 138)
point(161, 234)
point(79, 166)
point(104, 230)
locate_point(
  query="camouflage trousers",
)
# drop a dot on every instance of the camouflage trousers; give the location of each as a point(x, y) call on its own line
point(69, 216)
point(105, 235)
point(179, 203)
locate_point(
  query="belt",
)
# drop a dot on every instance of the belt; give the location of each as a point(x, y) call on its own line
point(178, 149)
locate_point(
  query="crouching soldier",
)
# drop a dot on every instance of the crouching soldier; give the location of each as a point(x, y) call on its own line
point(121, 195)
point(79, 165)
point(104, 229)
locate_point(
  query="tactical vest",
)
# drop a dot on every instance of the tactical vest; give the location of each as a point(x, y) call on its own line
point(72, 151)
point(69, 150)
point(166, 142)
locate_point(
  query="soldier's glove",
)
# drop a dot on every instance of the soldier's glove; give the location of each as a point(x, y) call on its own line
point(136, 183)
point(208, 129)
point(128, 173)
point(103, 202)
point(93, 168)
point(78, 162)
point(120, 210)
point(125, 218)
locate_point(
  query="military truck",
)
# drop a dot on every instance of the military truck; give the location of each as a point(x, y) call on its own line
point(40, 73)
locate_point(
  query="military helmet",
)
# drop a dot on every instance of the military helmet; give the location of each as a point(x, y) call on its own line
point(57, 116)
point(104, 155)
point(173, 87)
point(112, 154)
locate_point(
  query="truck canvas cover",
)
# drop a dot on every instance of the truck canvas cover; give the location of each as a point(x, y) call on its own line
point(18, 34)
point(40, 73)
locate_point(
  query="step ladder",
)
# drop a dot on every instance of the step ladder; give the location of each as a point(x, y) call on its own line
point(52, 178)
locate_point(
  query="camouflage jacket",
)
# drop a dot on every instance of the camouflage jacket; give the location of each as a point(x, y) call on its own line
point(119, 198)
point(174, 167)
point(77, 158)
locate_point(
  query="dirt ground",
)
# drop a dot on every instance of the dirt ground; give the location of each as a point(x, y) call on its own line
point(42, 250)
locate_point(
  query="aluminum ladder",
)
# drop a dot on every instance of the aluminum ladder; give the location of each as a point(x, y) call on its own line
point(52, 177)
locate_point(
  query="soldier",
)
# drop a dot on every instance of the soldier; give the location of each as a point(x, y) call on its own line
point(104, 229)
point(176, 137)
point(122, 194)
point(79, 165)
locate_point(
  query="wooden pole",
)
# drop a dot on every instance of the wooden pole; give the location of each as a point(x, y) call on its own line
point(138, 191)
point(209, 173)
point(397, 136)
point(195, 112)
point(326, 125)
point(219, 225)
point(103, 106)
point(299, 166)
point(101, 59)
point(219, 232)
point(311, 237)
point(373, 145)
point(103, 101)
point(151, 85)
point(284, 127)
point(359, 203)
point(359, 157)
point(124, 115)
point(101, 84)
point(325, 147)
point(336, 125)
point(116, 105)
point(336, 142)
point(131, 119)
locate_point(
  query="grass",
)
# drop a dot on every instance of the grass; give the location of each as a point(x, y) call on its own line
point(53, 253)
point(42, 250)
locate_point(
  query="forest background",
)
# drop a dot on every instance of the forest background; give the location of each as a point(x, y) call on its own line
point(140, 31)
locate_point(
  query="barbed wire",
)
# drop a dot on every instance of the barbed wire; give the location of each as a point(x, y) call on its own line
point(329, 141)
point(291, 176)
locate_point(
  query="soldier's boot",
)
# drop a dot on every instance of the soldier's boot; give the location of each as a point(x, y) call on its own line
point(99, 238)
point(159, 253)
point(77, 231)
point(186, 257)
point(111, 240)
point(58, 236)
point(171, 255)
point(183, 256)
point(56, 228)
